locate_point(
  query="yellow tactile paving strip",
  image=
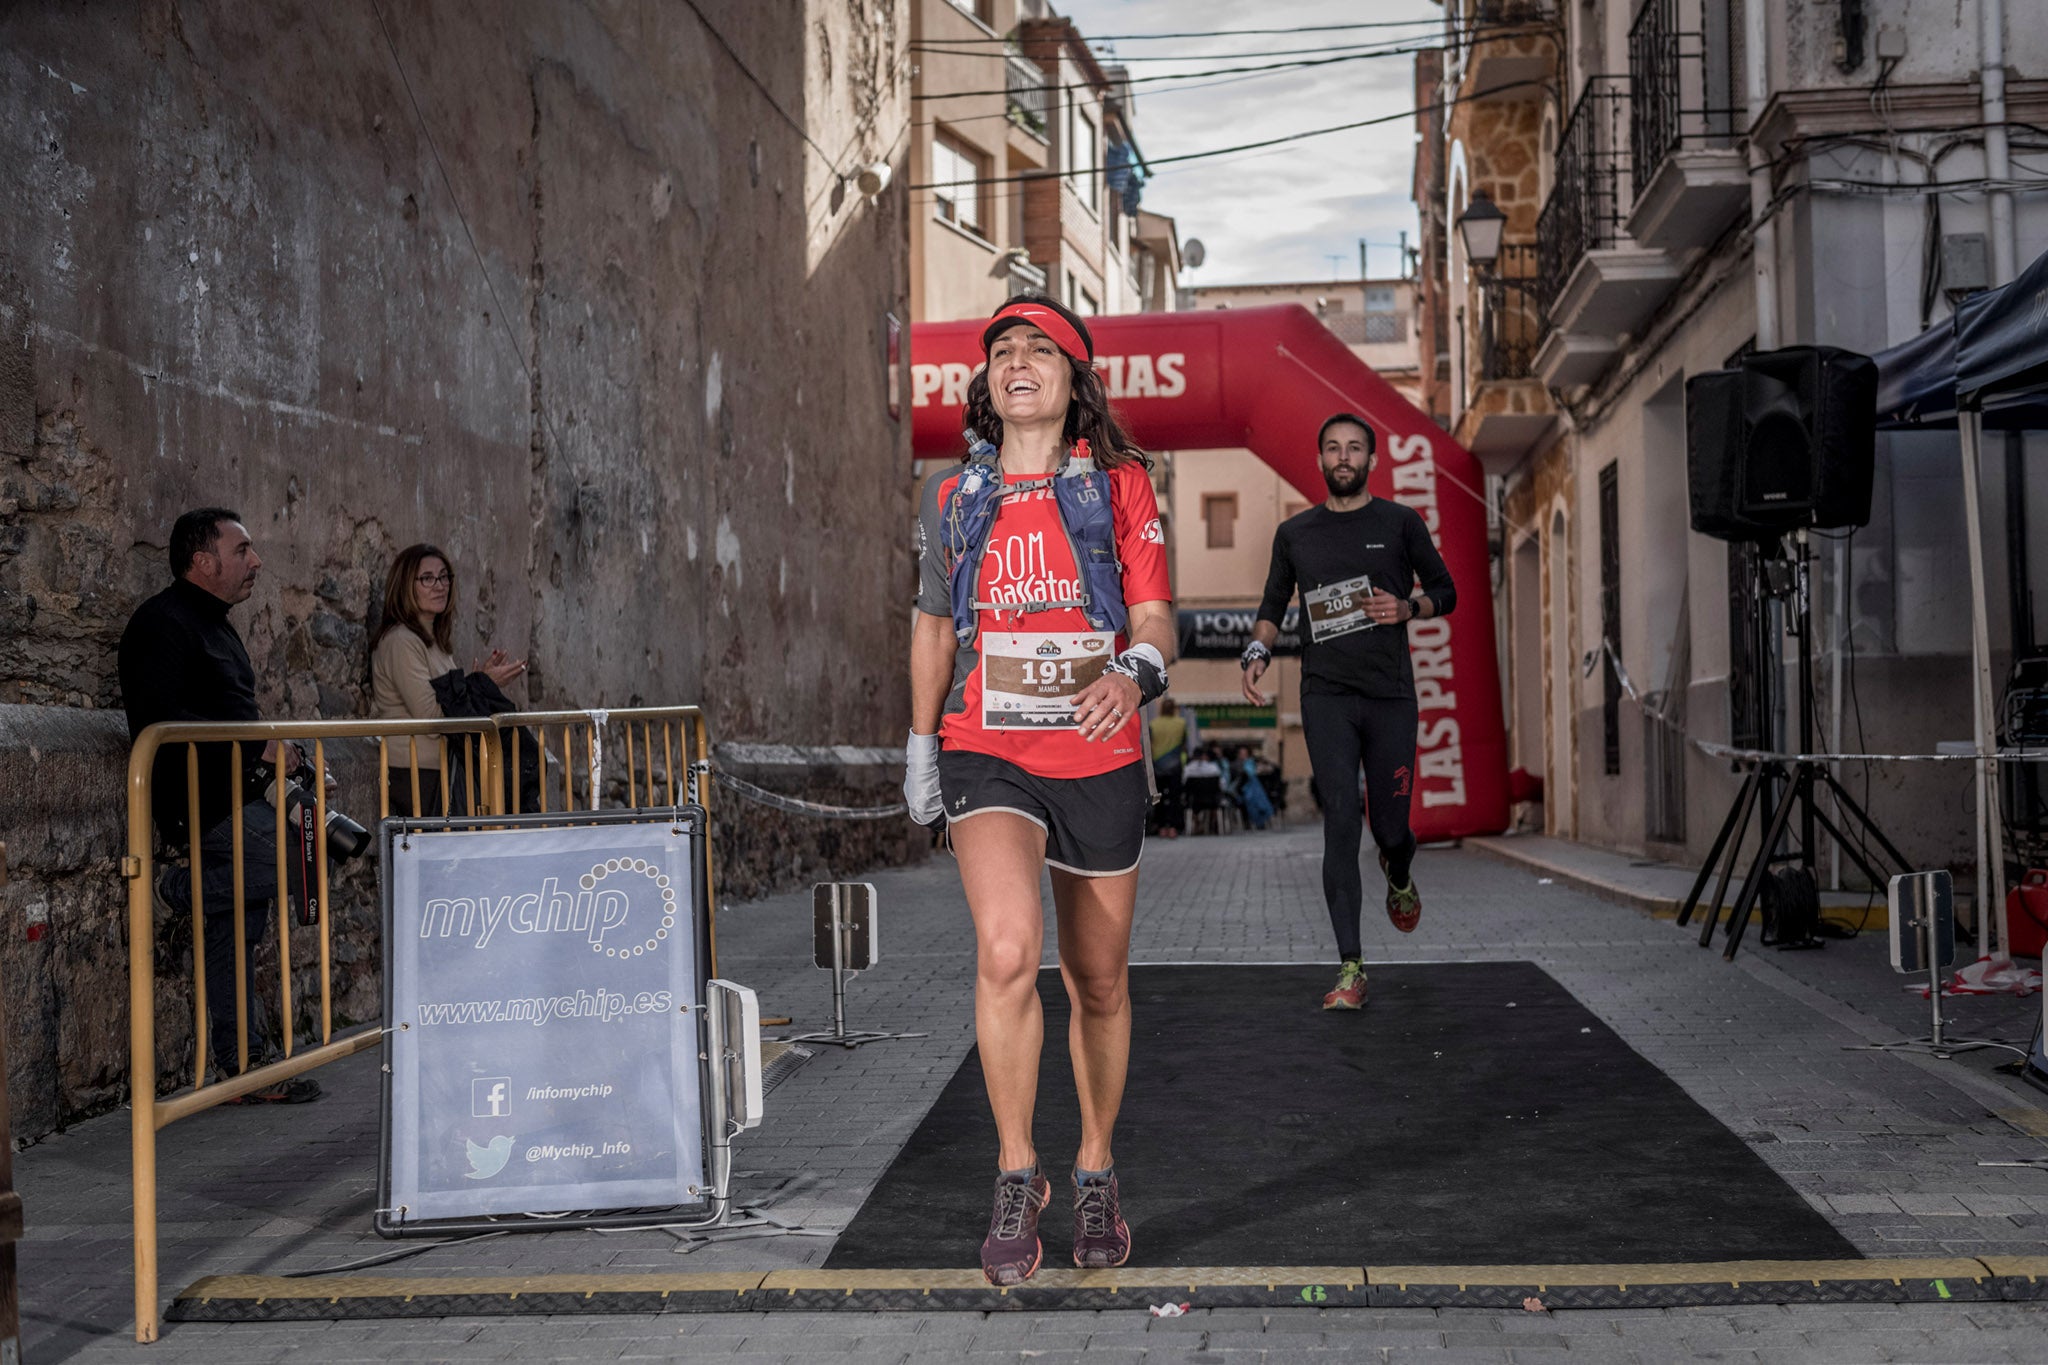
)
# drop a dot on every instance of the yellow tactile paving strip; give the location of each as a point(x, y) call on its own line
point(417, 1294)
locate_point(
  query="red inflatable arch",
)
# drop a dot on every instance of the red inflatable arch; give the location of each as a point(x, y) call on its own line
point(1264, 379)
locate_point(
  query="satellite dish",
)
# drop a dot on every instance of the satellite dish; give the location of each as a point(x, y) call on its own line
point(1193, 253)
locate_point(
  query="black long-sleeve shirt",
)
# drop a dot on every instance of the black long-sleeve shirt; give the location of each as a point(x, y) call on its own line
point(182, 659)
point(1384, 541)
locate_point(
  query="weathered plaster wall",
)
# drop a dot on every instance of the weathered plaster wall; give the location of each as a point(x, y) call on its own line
point(584, 305)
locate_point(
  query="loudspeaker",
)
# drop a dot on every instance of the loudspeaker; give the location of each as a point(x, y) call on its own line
point(1810, 447)
point(1714, 436)
point(1787, 440)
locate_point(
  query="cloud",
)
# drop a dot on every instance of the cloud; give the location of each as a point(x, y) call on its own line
point(1278, 213)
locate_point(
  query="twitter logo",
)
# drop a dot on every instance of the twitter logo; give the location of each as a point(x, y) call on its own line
point(485, 1162)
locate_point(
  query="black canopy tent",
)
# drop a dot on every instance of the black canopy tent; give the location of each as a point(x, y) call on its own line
point(1986, 366)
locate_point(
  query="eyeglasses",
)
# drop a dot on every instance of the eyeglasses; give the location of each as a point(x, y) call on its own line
point(435, 580)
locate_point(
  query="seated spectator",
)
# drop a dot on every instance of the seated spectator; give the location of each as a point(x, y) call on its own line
point(1169, 735)
point(1204, 789)
point(414, 676)
point(1250, 791)
point(181, 659)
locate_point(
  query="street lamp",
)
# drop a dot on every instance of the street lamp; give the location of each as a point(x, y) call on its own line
point(1479, 228)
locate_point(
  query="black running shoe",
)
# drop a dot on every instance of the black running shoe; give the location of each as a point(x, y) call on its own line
point(1010, 1253)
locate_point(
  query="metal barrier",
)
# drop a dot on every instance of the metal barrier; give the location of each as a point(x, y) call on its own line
point(470, 739)
point(668, 765)
point(666, 761)
point(10, 1202)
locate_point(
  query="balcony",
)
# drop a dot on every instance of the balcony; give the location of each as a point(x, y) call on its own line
point(1509, 410)
point(1030, 98)
point(1595, 283)
point(1689, 181)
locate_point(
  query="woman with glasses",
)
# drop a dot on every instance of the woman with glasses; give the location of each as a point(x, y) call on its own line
point(414, 649)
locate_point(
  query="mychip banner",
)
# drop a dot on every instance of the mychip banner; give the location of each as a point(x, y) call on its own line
point(544, 984)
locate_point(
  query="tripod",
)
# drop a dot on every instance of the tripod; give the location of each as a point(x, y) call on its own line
point(1774, 788)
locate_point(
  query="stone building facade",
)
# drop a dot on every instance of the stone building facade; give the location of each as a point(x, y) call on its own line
point(586, 294)
point(1683, 181)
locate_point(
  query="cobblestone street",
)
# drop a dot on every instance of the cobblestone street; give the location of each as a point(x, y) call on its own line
point(1886, 1146)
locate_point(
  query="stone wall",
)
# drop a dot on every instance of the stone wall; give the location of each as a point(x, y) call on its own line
point(560, 287)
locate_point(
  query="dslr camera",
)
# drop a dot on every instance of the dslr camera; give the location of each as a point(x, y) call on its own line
point(342, 837)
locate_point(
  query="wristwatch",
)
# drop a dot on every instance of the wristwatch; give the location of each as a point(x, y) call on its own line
point(1414, 608)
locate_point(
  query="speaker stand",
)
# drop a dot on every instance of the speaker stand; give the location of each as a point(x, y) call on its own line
point(1801, 779)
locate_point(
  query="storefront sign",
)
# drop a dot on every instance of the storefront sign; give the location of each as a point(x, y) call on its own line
point(1236, 716)
point(1223, 632)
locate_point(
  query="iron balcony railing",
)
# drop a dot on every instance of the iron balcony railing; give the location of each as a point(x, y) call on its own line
point(1680, 83)
point(1587, 201)
point(1511, 327)
point(1030, 99)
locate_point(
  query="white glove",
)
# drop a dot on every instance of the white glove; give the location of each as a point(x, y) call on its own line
point(921, 778)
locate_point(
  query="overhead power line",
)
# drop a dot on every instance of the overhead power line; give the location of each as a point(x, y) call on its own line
point(1296, 65)
point(1246, 146)
point(1321, 49)
point(1432, 22)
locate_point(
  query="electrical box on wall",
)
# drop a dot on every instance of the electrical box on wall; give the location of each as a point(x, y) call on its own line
point(1965, 262)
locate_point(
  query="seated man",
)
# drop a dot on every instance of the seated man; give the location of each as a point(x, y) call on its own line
point(181, 659)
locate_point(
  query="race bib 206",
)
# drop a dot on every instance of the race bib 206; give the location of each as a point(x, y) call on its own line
point(1337, 608)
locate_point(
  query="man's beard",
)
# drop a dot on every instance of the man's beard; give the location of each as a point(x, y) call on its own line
point(1343, 482)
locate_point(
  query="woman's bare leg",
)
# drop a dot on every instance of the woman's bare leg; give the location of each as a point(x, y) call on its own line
point(1095, 954)
point(1001, 856)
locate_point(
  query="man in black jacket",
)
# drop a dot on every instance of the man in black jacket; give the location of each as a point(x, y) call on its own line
point(182, 660)
point(1357, 561)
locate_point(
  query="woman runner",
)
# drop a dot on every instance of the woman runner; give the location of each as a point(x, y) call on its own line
point(1027, 674)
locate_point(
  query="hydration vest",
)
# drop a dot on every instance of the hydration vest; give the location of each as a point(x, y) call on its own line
point(1080, 492)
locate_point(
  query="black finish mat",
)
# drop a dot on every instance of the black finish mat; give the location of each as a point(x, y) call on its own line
point(1473, 1114)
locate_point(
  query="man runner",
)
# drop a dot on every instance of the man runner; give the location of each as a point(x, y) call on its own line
point(1356, 560)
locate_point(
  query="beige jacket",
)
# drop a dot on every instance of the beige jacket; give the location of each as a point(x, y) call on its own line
point(402, 670)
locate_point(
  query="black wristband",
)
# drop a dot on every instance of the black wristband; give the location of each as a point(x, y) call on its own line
point(1254, 653)
point(1150, 678)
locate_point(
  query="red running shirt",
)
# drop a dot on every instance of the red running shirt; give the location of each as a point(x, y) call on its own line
point(1028, 559)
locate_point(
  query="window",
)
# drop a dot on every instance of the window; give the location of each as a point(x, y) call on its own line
point(1610, 613)
point(1084, 157)
point(984, 10)
point(956, 180)
point(1088, 307)
point(1219, 514)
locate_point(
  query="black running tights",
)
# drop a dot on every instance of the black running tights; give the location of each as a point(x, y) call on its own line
point(1343, 733)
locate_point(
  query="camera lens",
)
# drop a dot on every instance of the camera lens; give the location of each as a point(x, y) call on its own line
point(345, 838)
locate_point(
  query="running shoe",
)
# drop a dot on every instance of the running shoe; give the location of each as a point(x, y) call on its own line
point(297, 1090)
point(1404, 903)
point(1101, 1237)
point(1350, 991)
point(1010, 1253)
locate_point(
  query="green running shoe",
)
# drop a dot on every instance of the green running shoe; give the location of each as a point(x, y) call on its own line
point(1350, 991)
point(1404, 903)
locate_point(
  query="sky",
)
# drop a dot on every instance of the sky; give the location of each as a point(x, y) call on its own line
point(1283, 213)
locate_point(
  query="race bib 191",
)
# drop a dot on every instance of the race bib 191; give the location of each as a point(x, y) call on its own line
point(1030, 678)
point(1337, 609)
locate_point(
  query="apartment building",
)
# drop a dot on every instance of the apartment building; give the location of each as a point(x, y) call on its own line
point(1028, 144)
point(1673, 183)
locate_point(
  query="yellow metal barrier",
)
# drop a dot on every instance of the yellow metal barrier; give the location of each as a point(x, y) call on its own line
point(474, 739)
point(640, 756)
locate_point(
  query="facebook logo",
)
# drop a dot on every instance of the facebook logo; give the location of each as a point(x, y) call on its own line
point(490, 1097)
